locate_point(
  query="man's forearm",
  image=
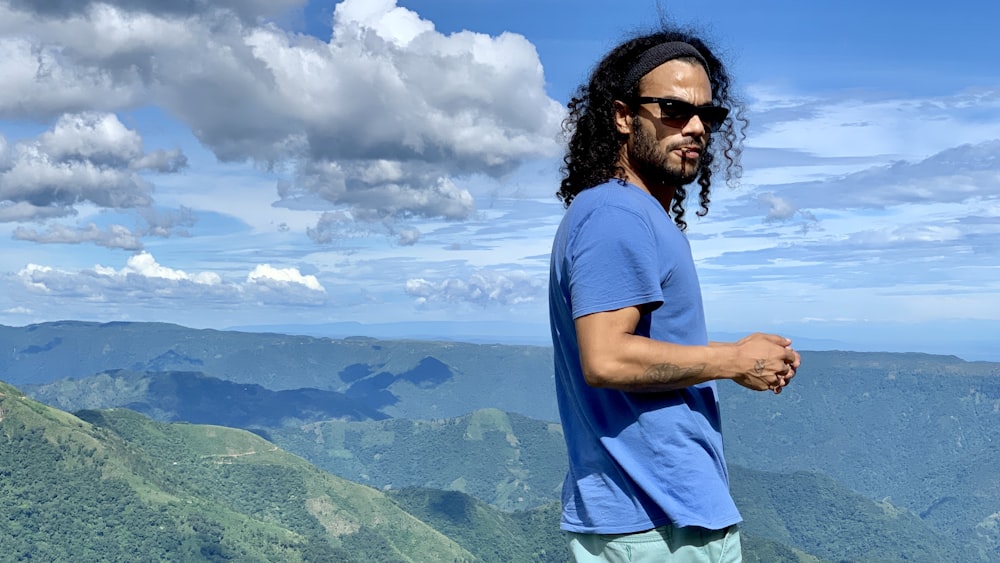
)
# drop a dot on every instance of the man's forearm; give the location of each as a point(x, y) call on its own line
point(613, 356)
point(640, 364)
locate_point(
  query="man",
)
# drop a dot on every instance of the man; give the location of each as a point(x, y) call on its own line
point(635, 372)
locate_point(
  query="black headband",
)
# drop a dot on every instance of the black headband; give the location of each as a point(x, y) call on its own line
point(657, 55)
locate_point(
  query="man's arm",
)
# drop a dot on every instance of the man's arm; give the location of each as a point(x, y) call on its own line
point(613, 356)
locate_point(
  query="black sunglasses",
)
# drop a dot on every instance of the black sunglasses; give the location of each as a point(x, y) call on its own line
point(681, 112)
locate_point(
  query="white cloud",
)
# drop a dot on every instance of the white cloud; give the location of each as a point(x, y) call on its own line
point(41, 81)
point(407, 237)
point(14, 212)
point(85, 157)
point(399, 25)
point(167, 222)
point(382, 120)
point(144, 281)
point(18, 311)
point(483, 288)
point(144, 265)
point(780, 208)
point(265, 274)
point(115, 236)
point(249, 9)
point(97, 138)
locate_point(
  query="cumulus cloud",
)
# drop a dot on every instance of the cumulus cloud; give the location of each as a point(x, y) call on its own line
point(14, 212)
point(18, 311)
point(144, 265)
point(265, 274)
point(407, 237)
point(779, 209)
point(483, 288)
point(85, 157)
point(115, 236)
point(334, 226)
point(248, 9)
point(144, 280)
point(382, 120)
point(286, 286)
point(782, 210)
point(165, 223)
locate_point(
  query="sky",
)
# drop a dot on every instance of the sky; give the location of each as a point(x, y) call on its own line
point(294, 164)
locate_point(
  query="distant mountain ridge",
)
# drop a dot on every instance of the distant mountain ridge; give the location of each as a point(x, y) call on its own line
point(194, 397)
point(399, 378)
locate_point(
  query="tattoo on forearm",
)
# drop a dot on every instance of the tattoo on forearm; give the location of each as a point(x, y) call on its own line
point(758, 367)
point(669, 373)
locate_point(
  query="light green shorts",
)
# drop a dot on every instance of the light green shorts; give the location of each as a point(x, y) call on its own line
point(659, 545)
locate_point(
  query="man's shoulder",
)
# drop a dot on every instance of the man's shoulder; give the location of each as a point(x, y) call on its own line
point(614, 195)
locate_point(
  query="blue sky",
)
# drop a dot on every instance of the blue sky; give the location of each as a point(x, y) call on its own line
point(277, 162)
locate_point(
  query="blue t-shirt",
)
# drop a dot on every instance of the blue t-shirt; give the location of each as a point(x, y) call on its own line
point(636, 460)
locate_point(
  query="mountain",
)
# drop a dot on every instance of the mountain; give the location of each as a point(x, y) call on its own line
point(492, 535)
point(507, 460)
point(399, 378)
point(113, 485)
point(514, 462)
point(117, 486)
point(816, 514)
point(478, 332)
point(921, 431)
point(917, 430)
point(232, 489)
point(194, 397)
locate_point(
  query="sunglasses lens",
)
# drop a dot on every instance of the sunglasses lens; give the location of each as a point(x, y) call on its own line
point(676, 110)
point(713, 116)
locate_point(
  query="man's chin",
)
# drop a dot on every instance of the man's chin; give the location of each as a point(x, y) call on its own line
point(678, 178)
point(672, 174)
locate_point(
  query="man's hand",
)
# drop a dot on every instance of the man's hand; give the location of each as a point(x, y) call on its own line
point(765, 362)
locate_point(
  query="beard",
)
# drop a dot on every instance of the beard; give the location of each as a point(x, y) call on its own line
point(653, 163)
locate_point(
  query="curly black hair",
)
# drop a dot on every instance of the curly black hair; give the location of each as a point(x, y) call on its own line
point(595, 143)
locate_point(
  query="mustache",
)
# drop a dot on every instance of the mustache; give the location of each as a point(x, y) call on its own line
point(687, 142)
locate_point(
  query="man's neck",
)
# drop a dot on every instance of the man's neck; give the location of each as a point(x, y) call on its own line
point(662, 193)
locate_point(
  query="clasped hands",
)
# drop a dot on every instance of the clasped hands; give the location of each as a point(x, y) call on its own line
point(770, 362)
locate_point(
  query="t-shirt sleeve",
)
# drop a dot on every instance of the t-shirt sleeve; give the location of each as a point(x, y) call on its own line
point(613, 263)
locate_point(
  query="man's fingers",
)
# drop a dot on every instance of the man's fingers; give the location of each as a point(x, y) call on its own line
point(777, 339)
point(788, 376)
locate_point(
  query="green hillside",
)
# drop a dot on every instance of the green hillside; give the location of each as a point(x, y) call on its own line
point(921, 431)
point(116, 486)
point(493, 535)
point(507, 460)
point(788, 516)
point(814, 513)
point(918, 431)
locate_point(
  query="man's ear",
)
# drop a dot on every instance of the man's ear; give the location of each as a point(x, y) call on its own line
point(623, 118)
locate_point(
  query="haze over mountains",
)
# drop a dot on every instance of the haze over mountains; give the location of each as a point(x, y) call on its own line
point(971, 340)
point(871, 456)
